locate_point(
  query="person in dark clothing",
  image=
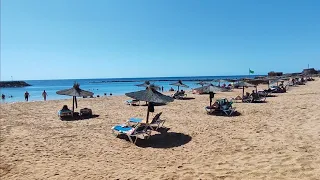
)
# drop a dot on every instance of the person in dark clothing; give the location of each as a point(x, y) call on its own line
point(211, 96)
point(3, 96)
point(162, 88)
point(44, 95)
point(26, 96)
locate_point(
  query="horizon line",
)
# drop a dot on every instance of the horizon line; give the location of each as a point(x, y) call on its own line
point(136, 77)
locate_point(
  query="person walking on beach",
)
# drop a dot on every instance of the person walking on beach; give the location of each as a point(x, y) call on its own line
point(26, 96)
point(44, 95)
point(162, 88)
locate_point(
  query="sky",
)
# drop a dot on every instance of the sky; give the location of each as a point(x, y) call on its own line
point(70, 39)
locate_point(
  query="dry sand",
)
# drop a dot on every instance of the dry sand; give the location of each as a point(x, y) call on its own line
point(279, 139)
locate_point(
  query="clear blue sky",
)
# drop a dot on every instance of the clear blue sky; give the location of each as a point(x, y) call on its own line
point(63, 39)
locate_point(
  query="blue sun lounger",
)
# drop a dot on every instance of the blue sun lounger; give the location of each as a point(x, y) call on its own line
point(139, 130)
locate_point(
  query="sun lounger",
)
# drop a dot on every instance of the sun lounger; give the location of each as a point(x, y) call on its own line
point(228, 110)
point(137, 131)
point(258, 98)
point(247, 99)
point(179, 95)
point(157, 122)
point(133, 102)
point(64, 114)
point(221, 106)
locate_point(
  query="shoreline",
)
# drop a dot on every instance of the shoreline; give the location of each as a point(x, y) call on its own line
point(278, 139)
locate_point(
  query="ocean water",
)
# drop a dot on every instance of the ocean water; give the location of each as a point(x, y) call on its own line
point(116, 86)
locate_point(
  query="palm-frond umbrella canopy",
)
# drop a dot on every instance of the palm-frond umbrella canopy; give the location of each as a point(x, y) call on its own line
point(202, 83)
point(150, 95)
point(147, 83)
point(209, 88)
point(243, 85)
point(219, 81)
point(75, 91)
point(179, 83)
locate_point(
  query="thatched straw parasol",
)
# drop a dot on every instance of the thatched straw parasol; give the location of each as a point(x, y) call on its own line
point(202, 83)
point(145, 84)
point(243, 85)
point(75, 92)
point(150, 95)
point(179, 83)
point(210, 88)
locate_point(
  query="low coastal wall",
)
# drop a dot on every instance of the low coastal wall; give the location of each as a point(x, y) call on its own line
point(8, 84)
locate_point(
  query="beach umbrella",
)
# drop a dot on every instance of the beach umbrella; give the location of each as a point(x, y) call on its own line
point(220, 81)
point(179, 83)
point(147, 83)
point(243, 85)
point(75, 92)
point(210, 88)
point(150, 95)
point(202, 83)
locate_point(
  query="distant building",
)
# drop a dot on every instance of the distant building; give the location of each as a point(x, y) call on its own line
point(310, 71)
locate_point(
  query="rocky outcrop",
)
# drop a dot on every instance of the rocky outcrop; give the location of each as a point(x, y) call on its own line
point(272, 73)
point(10, 84)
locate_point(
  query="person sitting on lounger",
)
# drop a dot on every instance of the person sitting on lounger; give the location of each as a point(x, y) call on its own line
point(65, 108)
point(253, 93)
point(246, 95)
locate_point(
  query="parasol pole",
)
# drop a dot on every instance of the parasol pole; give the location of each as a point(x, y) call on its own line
point(242, 91)
point(72, 103)
point(148, 113)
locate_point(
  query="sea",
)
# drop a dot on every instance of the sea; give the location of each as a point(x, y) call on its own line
point(101, 86)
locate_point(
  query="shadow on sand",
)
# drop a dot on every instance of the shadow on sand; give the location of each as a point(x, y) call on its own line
point(186, 98)
point(79, 118)
point(165, 140)
point(272, 95)
point(259, 102)
point(155, 104)
point(217, 113)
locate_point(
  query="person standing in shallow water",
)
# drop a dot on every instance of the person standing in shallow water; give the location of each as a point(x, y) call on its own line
point(44, 95)
point(26, 96)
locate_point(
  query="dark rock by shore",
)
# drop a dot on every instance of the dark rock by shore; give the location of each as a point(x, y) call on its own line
point(10, 84)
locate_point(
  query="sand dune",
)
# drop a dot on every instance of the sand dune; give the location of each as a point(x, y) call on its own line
point(279, 139)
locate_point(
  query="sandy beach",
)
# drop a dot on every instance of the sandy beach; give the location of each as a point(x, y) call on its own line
point(279, 139)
